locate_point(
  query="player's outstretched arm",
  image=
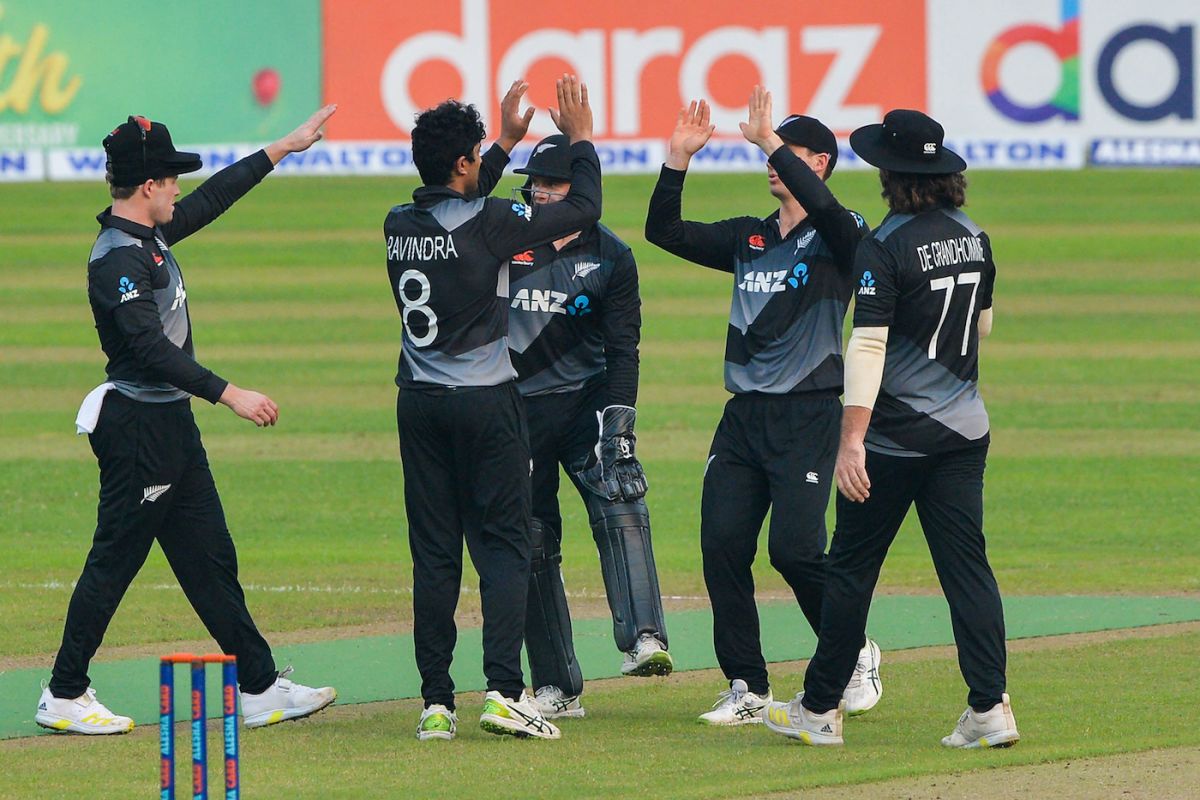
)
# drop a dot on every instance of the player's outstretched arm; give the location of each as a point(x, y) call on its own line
point(213, 198)
point(710, 244)
point(303, 137)
point(518, 226)
point(840, 229)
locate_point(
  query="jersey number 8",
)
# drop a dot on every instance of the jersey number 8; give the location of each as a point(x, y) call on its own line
point(417, 305)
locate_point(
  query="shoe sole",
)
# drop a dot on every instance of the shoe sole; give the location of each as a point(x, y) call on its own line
point(754, 720)
point(658, 664)
point(276, 717)
point(997, 740)
point(574, 713)
point(425, 736)
point(65, 726)
point(806, 737)
point(500, 726)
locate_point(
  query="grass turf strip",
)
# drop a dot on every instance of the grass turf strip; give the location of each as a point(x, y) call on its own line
point(1078, 701)
point(375, 668)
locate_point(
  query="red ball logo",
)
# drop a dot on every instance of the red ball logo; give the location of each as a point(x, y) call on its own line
point(266, 85)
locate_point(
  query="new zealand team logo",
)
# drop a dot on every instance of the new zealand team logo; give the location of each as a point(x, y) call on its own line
point(866, 284)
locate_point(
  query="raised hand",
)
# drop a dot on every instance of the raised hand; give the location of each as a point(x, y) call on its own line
point(693, 129)
point(574, 114)
point(513, 124)
point(758, 128)
point(304, 137)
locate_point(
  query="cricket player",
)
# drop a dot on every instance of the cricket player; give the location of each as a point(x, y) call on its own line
point(463, 437)
point(914, 431)
point(155, 481)
point(776, 442)
point(574, 326)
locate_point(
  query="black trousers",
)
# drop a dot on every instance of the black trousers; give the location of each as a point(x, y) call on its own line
point(466, 474)
point(562, 430)
point(777, 452)
point(948, 492)
point(155, 483)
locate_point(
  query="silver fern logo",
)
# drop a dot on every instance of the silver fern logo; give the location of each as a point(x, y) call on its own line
point(152, 493)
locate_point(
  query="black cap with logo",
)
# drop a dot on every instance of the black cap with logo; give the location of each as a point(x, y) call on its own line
point(907, 141)
point(140, 150)
point(551, 158)
point(809, 132)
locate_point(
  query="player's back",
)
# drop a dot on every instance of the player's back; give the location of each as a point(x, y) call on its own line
point(933, 276)
point(450, 291)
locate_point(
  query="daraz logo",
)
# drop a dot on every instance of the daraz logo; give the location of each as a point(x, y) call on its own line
point(1064, 43)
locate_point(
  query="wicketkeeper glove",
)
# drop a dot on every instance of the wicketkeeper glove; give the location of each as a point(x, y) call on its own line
point(616, 473)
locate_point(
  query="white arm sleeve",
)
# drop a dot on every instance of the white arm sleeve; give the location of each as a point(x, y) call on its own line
point(864, 365)
point(985, 323)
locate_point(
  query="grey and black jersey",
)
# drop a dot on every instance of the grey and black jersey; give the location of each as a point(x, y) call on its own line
point(138, 296)
point(790, 293)
point(575, 315)
point(926, 278)
point(447, 260)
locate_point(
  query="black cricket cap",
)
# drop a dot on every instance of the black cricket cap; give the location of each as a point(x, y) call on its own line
point(551, 158)
point(139, 150)
point(907, 141)
point(809, 132)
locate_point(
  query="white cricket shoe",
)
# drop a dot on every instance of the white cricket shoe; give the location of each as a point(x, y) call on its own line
point(797, 722)
point(553, 704)
point(996, 727)
point(648, 657)
point(283, 701)
point(519, 718)
point(84, 714)
point(737, 705)
point(437, 722)
point(865, 687)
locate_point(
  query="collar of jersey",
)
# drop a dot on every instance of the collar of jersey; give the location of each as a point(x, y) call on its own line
point(426, 196)
point(772, 222)
point(109, 220)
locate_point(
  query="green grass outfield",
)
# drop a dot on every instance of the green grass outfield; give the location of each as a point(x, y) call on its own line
point(1091, 379)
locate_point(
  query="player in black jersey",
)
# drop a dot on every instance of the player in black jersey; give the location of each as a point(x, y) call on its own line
point(574, 325)
point(155, 481)
point(924, 300)
point(463, 438)
point(777, 440)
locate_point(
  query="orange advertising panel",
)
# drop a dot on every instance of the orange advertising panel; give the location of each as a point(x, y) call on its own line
point(845, 63)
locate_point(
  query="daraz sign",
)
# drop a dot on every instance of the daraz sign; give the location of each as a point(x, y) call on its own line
point(385, 61)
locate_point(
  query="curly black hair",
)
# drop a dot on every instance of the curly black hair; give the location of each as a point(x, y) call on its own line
point(443, 134)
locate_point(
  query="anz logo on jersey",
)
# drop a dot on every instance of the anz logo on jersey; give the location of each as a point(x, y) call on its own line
point(866, 284)
point(771, 281)
point(549, 301)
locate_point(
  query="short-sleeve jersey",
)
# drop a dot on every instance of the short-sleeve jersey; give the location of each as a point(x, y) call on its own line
point(926, 277)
